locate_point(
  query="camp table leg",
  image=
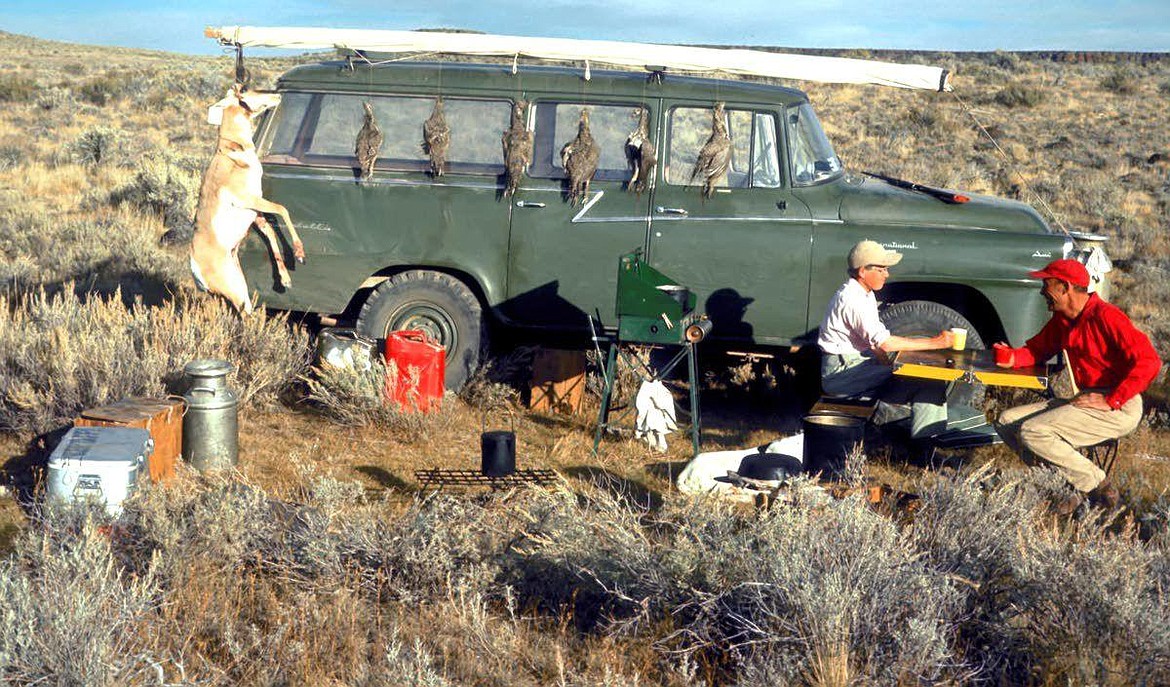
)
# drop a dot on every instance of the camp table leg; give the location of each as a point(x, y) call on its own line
point(606, 392)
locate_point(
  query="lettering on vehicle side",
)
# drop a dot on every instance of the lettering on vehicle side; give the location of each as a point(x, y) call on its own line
point(1042, 254)
point(316, 226)
point(913, 245)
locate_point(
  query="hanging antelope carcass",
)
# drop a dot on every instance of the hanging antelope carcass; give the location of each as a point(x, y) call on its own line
point(230, 202)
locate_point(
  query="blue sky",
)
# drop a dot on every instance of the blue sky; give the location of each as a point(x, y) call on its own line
point(943, 25)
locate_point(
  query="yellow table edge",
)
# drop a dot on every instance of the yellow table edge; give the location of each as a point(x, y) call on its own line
point(1009, 379)
point(929, 372)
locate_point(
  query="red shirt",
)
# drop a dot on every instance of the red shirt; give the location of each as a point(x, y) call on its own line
point(1104, 348)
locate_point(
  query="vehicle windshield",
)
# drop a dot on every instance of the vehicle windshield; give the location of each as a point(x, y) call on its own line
point(813, 159)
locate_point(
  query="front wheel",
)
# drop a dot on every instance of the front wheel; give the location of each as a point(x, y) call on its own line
point(923, 319)
point(435, 303)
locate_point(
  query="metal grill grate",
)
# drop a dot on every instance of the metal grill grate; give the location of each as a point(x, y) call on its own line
point(474, 478)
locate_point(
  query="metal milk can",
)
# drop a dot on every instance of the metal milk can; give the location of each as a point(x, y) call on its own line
point(211, 425)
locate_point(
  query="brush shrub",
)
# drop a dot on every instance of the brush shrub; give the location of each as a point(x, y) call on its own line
point(62, 353)
point(1019, 95)
point(1121, 80)
point(94, 145)
point(166, 186)
point(15, 88)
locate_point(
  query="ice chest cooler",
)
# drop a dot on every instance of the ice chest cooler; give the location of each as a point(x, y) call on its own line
point(103, 463)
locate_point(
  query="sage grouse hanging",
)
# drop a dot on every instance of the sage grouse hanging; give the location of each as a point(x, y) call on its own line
point(368, 143)
point(715, 155)
point(437, 138)
point(517, 147)
point(580, 156)
point(641, 154)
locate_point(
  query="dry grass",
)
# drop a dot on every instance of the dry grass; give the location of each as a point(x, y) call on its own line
point(318, 562)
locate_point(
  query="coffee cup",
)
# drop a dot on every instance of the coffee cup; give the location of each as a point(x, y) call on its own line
point(960, 335)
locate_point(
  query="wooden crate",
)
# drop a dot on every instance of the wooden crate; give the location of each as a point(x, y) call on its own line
point(558, 381)
point(162, 417)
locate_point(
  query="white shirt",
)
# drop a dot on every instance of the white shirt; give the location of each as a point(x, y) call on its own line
point(851, 324)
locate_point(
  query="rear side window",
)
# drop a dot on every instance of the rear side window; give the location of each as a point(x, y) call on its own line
point(754, 162)
point(557, 124)
point(321, 129)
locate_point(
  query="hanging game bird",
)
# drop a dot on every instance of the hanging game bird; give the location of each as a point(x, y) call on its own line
point(580, 156)
point(715, 155)
point(436, 138)
point(641, 154)
point(517, 147)
point(369, 142)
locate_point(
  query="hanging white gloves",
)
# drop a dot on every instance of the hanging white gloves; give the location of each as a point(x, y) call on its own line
point(656, 419)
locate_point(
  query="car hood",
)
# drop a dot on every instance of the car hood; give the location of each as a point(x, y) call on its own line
point(869, 200)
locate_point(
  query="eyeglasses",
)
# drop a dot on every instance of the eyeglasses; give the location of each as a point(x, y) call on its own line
point(879, 268)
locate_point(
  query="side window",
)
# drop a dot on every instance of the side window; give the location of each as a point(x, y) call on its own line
point(322, 129)
point(556, 125)
point(282, 130)
point(753, 162)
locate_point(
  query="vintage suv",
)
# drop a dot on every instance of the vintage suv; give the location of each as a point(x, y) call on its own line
point(453, 255)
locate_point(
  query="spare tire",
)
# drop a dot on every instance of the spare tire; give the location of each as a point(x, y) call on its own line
point(923, 319)
point(436, 303)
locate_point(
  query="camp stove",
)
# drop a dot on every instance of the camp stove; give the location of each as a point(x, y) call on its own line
point(652, 309)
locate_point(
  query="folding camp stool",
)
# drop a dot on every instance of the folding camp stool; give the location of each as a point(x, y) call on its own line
point(1103, 454)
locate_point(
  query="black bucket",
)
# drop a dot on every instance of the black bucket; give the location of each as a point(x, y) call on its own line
point(828, 440)
point(498, 452)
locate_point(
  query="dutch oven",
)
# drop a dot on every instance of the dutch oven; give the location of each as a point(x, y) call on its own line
point(770, 467)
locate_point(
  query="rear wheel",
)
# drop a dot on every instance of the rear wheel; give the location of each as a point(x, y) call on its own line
point(923, 319)
point(435, 303)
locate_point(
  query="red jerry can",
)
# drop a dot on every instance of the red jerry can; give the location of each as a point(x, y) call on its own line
point(415, 381)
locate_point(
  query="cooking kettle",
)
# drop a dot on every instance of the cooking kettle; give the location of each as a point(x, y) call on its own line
point(769, 467)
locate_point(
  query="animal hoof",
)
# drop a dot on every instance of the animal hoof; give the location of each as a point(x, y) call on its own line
point(299, 252)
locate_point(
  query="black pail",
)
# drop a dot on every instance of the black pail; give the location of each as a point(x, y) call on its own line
point(828, 439)
point(498, 451)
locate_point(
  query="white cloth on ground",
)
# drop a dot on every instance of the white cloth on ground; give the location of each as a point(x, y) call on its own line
point(698, 477)
point(656, 418)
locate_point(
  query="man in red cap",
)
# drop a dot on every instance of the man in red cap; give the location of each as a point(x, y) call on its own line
point(1111, 362)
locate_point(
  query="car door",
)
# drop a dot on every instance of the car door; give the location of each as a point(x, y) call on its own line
point(563, 257)
point(744, 251)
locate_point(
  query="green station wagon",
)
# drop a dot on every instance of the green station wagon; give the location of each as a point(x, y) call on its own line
point(455, 256)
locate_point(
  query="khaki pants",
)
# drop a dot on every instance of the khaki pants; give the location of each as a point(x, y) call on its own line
point(1053, 430)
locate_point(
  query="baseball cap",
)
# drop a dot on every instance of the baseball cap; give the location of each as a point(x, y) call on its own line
point(1067, 270)
point(872, 253)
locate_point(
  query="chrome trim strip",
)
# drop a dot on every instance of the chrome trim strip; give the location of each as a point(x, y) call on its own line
point(592, 201)
point(378, 182)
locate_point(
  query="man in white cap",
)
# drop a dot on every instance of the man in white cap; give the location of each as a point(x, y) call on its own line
point(854, 344)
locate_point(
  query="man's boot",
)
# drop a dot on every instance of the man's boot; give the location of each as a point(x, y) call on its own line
point(1105, 495)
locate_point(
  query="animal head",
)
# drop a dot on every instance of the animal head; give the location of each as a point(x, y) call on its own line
point(369, 109)
point(518, 112)
point(242, 102)
point(237, 110)
point(718, 122)
point(583, 125)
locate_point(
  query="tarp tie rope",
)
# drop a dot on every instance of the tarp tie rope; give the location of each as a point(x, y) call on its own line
point(1012, 167)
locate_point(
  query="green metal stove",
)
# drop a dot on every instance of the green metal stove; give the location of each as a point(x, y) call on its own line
point(655, 310)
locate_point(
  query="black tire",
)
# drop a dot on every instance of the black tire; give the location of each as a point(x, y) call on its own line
point(925, 319)
point(436, 303)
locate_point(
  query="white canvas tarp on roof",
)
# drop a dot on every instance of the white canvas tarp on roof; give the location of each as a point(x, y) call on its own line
point(618, 53)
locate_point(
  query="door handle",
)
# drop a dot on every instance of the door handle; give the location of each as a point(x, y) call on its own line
point(528, 204)
point(671, 211)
